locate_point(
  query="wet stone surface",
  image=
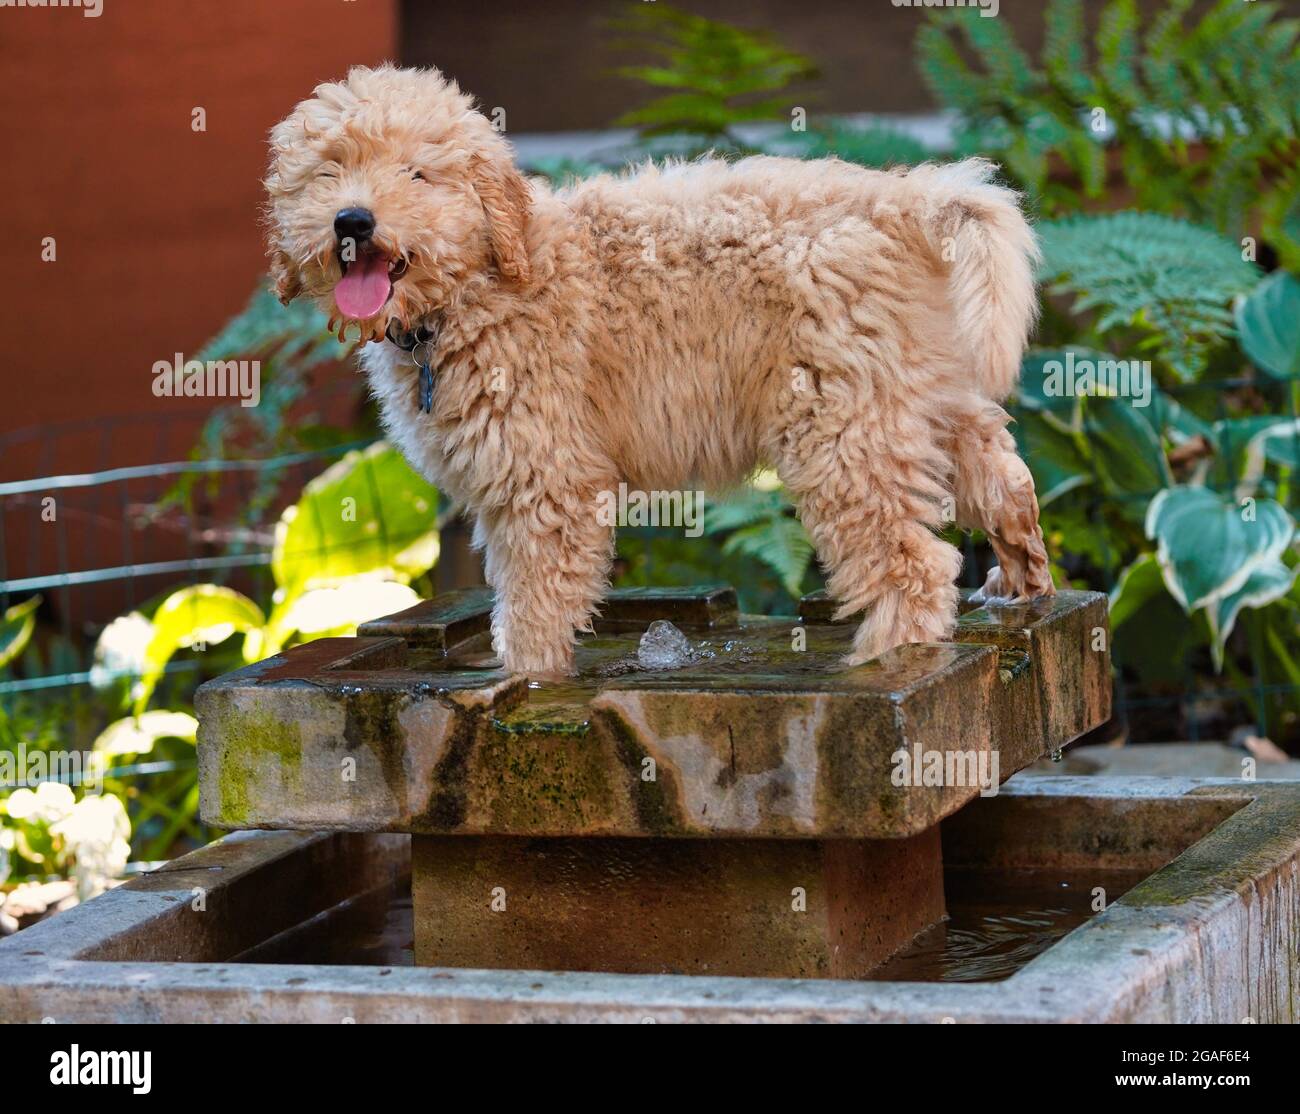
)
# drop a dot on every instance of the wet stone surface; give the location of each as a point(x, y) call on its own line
point(762, 731)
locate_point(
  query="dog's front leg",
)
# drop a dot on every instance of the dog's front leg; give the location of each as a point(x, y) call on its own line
point(547, 560)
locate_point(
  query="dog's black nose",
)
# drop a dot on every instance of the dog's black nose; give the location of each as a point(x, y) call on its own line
point(355, 224)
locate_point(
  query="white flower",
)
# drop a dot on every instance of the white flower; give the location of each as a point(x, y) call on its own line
point(51, 802)
point(120, 651)
point(95, 834)
point(20, 804)
point(6, 850)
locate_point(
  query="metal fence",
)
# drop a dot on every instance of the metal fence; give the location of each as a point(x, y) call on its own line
point(99, 544)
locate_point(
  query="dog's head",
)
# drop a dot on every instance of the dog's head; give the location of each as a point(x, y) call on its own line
point(387, 190)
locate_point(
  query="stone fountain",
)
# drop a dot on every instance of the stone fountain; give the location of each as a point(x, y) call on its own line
point(718, 804)
point(734, 815)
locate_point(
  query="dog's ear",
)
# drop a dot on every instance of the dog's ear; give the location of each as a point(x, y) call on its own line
point(284, 277)
point(505, 198)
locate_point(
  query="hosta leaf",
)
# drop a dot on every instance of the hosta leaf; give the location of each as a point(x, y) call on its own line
point(1054, 456)
point(1138, 584)
point(1266, 583)
point(138, 734)
point(1041, 381)
point(201, 613)
point(1275, 440)
point(1269, 324)
point(367, 513)
point(1208, 546)
point(1125, 448)
point(335, 611)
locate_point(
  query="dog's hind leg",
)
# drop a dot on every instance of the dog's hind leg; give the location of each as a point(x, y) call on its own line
point(995, 492)
point(869, 484)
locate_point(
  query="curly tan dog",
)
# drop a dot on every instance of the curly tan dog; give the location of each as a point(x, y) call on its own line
point(855, 329)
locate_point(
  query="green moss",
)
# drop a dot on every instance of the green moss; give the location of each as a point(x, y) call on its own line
point(545, 719)
point(247, 735)
point(542, 779)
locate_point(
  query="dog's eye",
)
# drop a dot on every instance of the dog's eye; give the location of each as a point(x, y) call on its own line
point(418, 176)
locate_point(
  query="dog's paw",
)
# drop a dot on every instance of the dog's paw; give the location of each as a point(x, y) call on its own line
point(998, 589)
point(541, 662)
point(992, 591)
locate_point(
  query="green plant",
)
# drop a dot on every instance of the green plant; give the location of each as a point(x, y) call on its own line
point(1202, 118)
point(1170, 281)
point(292, 345)
point(16, 626)
point(347, 550)
point(757, 544)
point(1176, 508)
point(759, 522)
point(717, 76)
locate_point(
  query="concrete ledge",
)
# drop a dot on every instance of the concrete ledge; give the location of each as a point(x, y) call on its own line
point(1209, 937)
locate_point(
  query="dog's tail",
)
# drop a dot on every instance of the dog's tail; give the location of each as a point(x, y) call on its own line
point(978, 232)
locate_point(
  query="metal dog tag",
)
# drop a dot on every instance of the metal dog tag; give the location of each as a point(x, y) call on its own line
point(426, 389)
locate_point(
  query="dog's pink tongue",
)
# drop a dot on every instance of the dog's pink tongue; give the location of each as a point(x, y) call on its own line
point(362, 292)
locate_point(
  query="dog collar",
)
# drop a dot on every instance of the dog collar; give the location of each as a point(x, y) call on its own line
point(423, 336)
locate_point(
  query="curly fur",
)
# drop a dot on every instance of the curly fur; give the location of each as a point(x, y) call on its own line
point(855, 329)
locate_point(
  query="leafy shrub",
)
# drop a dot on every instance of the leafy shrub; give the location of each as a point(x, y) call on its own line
point(1202, 119)
point(718, 76)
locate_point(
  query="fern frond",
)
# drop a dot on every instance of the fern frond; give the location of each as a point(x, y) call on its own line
point(717, 75)
point(1065, 56)
point(296, 332)
point(1182, 93)
point(1118, 51)
point(779, 543)
point(1164, 277)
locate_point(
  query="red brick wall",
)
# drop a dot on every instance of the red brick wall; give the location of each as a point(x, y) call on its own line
point(156, 225)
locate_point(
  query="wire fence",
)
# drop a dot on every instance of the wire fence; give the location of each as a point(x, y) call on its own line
point(100, 544)
point(133, 534)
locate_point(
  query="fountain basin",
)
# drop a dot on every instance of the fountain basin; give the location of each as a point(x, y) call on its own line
point(1210, 935)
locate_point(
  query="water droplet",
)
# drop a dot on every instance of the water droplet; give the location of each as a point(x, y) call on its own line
point(663, 646)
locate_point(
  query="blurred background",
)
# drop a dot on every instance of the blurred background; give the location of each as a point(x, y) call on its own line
point(148, 543)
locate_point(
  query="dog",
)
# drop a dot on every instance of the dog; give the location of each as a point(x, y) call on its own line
point(530, 348)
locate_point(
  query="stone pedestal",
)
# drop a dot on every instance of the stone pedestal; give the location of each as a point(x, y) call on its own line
point(758, 907)
point(760, 810)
